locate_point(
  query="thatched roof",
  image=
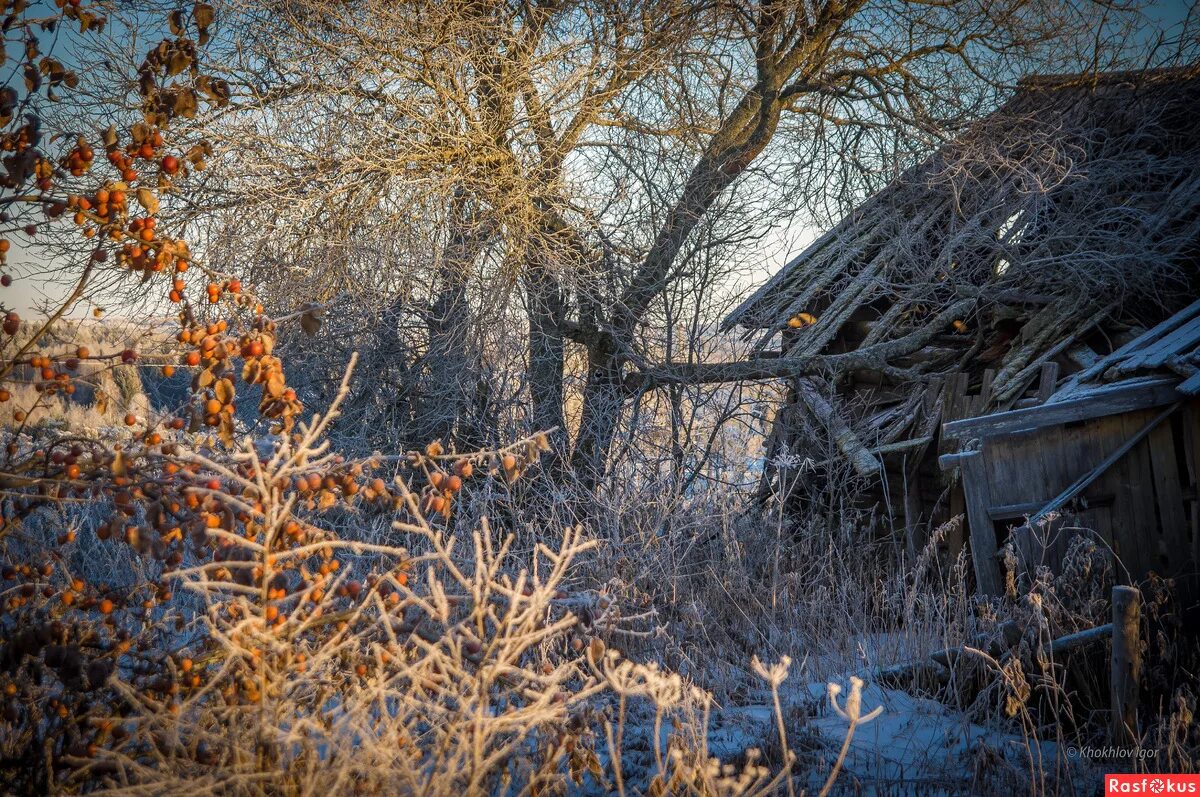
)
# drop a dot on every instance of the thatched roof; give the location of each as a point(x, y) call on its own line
point(1078, 198)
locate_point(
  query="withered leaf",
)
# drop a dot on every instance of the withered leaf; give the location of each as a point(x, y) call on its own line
point(185, 104)
point(147, 200)
point(226, 429)
point(178, 62)
point(310, 322)
point(224, 390)
point(203, 14)
point(275, 385)
point(251, 371)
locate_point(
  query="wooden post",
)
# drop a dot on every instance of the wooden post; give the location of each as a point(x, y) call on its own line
point(988, 577)
point(1126, 664)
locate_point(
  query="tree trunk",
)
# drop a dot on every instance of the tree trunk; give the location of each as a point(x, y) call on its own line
point(546, 353)
point(450, 373)
point(729, 155)
point(602, 399)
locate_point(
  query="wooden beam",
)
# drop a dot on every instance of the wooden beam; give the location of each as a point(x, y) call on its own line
point(1047, 381)
point(1095, 404)
point(950, 461)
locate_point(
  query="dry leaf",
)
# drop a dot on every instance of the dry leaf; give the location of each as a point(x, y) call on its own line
point(147, 200)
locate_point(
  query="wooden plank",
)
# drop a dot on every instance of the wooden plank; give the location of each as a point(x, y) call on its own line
point(1141, 341)
point(1083, 356)
point(1182, 339)
point(1191, 385)
point(1092, 442)
point(1047, 381)
point(1095, 404)
point(1139, 534)
point(982, 533)
point(953, 405)
point(979, 405)
point(1191, 451)
point(917, 526)
point(1018, 468)
point(1174, 548)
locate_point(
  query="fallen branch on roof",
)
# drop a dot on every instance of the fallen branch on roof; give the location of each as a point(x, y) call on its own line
point(876, 356)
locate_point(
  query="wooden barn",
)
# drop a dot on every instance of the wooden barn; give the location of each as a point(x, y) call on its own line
point(1010, 329)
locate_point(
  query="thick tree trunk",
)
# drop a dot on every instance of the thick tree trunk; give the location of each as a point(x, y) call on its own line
point(450, 373)
point(546, 353)
point(731, 152)
point(602, 399)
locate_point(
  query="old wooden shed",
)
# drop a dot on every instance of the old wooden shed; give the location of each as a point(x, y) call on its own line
point(1027, 293)
point(1114, 452)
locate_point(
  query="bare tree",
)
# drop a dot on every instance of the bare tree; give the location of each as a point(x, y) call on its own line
point(584, 172)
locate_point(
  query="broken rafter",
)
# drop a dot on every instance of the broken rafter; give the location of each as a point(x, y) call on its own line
point(847, 442)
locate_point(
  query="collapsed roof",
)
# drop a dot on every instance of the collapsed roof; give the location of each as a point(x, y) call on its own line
point(1077, 201)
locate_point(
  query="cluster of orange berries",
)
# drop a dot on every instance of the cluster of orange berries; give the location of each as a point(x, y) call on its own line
point(145, 148)
point(106, 209)
point(55, 377)
point(79, 160)
point(233, 286)
point(442, 487)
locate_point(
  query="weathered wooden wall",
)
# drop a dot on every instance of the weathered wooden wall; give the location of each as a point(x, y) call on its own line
point(1144, 506)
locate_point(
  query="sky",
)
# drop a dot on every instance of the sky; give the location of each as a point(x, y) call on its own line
point(31, 291)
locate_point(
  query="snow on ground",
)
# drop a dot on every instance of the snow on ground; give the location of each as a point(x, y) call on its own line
point(916, 746)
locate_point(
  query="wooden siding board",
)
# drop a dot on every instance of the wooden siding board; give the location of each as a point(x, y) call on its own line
point(1168, 492)
point(1138, 534)
point(1191, 450)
